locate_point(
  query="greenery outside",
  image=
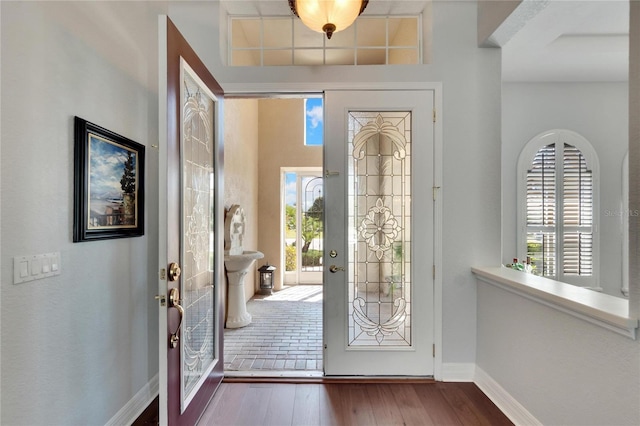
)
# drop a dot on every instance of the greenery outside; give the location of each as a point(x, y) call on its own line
point(534, 251)
point(312, 224)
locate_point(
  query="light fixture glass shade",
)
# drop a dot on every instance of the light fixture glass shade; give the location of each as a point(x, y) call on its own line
point(328, 16)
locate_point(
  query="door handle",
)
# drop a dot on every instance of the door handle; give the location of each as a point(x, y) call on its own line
point(334, 268)
point(174, 302)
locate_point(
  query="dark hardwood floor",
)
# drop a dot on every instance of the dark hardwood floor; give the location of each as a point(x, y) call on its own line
point(345, 404)
point(369, 404)
point(149, 416)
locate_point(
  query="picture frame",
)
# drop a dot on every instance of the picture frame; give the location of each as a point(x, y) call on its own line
point(108, 184)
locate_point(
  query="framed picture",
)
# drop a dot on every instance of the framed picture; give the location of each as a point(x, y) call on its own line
point(109, 184)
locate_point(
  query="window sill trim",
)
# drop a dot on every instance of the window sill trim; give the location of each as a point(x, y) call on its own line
point(600, 309)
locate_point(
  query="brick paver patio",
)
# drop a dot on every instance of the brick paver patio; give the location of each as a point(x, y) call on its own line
point(285, 333)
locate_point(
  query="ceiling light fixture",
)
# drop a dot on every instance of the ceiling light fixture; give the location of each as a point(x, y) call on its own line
point(327, 16)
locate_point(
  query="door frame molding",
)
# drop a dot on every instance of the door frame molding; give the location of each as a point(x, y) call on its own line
point(261, 90)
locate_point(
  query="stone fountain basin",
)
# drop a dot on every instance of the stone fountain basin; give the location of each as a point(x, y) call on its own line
point(241, 262)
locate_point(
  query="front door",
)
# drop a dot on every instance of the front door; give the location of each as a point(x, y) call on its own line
point(379, 250)
point(190, 237)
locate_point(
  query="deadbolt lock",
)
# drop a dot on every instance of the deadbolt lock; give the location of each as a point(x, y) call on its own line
point(174, 271)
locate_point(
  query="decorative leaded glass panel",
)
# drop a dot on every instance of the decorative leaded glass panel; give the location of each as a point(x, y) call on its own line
point(197, 335)
point(379, 258)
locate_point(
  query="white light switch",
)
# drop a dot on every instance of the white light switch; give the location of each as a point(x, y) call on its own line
point(24, 268)
point(36, 265)
point(46, 265)
point(55, 262)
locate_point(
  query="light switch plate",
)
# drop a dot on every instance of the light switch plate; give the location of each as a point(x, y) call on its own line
point(35, 267)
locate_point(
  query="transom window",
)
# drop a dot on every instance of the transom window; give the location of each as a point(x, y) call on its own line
point(313, 122)
point(557, 204)
point(277, 41)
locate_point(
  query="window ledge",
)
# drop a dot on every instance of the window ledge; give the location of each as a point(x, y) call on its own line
point(600, 309)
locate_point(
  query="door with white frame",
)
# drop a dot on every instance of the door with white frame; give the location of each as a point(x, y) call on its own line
point(379, 233)
point(303, 224)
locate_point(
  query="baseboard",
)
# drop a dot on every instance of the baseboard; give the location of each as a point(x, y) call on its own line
point(140, 401)
point(503, 400)
point(458, 372)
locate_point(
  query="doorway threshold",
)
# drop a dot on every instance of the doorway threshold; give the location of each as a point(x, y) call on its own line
point(273, 373)
point(273, 376)
point(318, 377)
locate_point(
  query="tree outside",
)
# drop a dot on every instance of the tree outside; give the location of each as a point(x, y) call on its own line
point(128, 185)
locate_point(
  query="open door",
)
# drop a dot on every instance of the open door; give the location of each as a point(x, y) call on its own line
point(379, 240)
point(190, 237)
point(303, 222)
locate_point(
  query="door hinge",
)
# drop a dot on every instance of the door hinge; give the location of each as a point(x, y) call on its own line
point(434, 115)
point(435, 192)
point(433, 270)
point(434, 350)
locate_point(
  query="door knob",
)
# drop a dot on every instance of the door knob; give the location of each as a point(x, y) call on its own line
point(334, 268)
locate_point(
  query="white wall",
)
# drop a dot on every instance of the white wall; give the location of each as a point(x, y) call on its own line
point(597, 111)
point(471, 233)
point(563, 370)
point(471, 96)
point(76, 347)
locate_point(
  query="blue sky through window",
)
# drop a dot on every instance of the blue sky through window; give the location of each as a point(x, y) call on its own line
point(290, 197)
point(313, 121)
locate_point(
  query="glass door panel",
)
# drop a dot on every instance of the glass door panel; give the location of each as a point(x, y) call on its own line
point(311, 229)
point(197, 343)
point(379, 189)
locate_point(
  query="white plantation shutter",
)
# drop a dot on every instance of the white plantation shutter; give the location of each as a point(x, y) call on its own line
point(577, 214)
point(541, 188)
point(559, 213)
point(541, 211)
point(578, 253)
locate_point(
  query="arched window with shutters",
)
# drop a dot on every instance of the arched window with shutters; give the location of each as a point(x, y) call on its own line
point(558, 177)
